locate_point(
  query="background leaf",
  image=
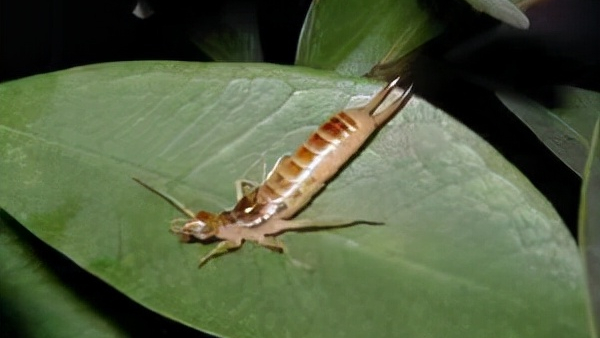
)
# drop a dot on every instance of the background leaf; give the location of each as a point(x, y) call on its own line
point(351, 37)
point(567, 130)
point(503, 10)
point(469, 247)
point(589, 223)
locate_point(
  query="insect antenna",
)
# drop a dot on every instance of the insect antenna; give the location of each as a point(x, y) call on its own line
point(171, 200)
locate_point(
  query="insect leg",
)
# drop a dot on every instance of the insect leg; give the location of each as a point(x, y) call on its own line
point(244, 187)
point(275, 166)
point(271, 243)
point(221, 248)
point(257, 170)
point(279, 226)
point(264, 168)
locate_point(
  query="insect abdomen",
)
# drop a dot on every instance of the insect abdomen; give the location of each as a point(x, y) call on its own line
point(298, 177)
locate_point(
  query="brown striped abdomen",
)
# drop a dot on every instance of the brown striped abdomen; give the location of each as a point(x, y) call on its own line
point(297, 178)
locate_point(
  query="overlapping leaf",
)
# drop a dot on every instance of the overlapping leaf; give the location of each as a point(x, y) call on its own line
point(589, 223)
point(353, 36)
point(566, 130)
point(359, 37)
point(503, 10)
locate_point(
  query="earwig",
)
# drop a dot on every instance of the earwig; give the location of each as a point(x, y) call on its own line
point(265, 210)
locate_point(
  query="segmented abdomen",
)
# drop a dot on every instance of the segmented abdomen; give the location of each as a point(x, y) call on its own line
point(298, 177)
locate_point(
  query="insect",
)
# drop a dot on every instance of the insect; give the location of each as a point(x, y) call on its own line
point(264, 210)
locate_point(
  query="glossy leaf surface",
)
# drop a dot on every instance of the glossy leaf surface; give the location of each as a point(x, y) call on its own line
point(469, 247)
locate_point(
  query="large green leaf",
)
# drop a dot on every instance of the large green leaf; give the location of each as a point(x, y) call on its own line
point(566, 130)
point(589, 223)
point(352, 36)
point(469, 247)
point(34, 302)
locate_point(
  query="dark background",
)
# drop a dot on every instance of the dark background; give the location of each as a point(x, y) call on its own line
point(458, 72)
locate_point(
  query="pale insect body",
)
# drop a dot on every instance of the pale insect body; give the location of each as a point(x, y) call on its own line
point(263, 211)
